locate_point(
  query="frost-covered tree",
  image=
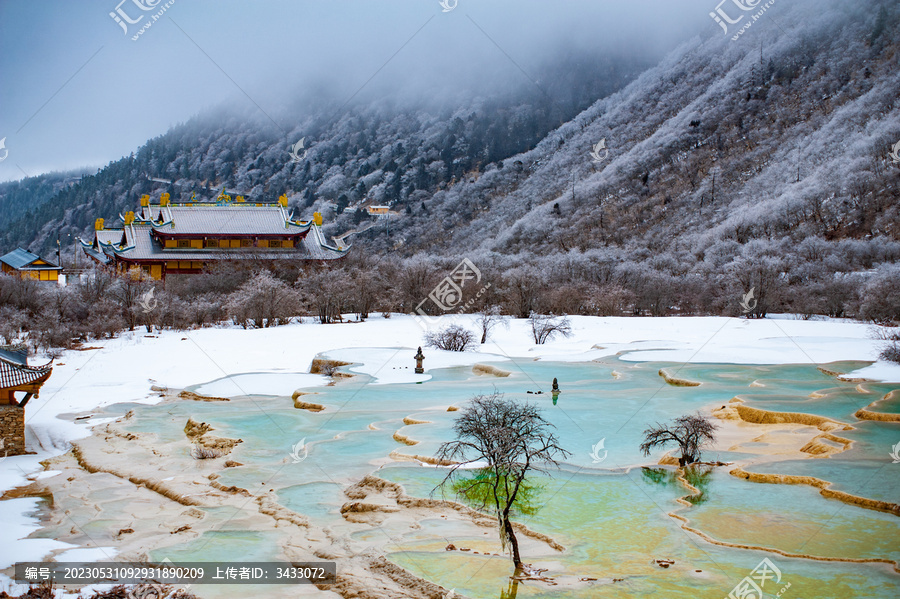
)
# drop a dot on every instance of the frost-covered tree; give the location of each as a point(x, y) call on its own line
point(488, 318)
point(451, 338)
point(545, 327)
point(263, 301)
point(881, 295)
point(323, 294)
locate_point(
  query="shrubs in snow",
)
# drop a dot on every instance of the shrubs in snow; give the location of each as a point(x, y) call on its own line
point(545, 327)
point(452, 338)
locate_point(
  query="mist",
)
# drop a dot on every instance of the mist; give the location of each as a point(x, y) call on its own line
point(79, 90)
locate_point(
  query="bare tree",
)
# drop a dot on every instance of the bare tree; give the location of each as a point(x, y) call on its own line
point(523, 289)
point(413, 279)
point(515, 440)
point(12, 322)
point(21, 292)
point(488, 318)
point(94, 285)
point(105, 319)
point(762, 276)
point(452, 338)
point(881, 295)
point(546, 326)
point(263, 301)
point(127, 290)
point(890, 349)
point(689, 432)
point(363, 290)
point(324, 294)
point(612, 300)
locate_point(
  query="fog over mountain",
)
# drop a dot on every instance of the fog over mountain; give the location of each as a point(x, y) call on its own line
point(80, 91)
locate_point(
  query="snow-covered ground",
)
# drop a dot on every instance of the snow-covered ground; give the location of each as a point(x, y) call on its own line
point(276, 361)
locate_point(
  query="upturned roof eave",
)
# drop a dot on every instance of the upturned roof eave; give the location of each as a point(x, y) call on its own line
point(41, 370)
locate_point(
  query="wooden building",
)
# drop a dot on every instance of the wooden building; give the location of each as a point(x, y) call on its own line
point(25, 264)
point(16, 376)
point(379, 210)
point(167, 238)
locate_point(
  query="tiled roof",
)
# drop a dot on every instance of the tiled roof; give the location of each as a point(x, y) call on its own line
point(22, 259)
point(14, 353)
point(113, 236)
point(316, 243)
point(13, 374)
point(95, 254)
point(223, 220)
point(141, 246)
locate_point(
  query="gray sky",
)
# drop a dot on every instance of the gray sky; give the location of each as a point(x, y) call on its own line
point(76, 90)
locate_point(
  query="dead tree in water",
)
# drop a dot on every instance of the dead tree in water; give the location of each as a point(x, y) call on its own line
point(514, 440)
point(689, 432)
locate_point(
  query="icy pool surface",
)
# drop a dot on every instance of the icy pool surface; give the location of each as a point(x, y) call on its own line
point(612, 516)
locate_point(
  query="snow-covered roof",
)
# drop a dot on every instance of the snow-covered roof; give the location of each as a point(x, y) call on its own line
point(14, 353)
point(20, 259)
point(214, 220)
point(15, 372)
point(145, 236)
point(140, 245)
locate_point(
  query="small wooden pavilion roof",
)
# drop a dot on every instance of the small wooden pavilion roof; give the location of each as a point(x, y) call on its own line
point(15, 373)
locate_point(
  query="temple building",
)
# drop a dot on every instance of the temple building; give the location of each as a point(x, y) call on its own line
point(167, 238)
point(25, 264)
point(16, 376)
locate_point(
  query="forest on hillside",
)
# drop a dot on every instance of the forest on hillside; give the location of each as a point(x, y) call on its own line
point(394, 151)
